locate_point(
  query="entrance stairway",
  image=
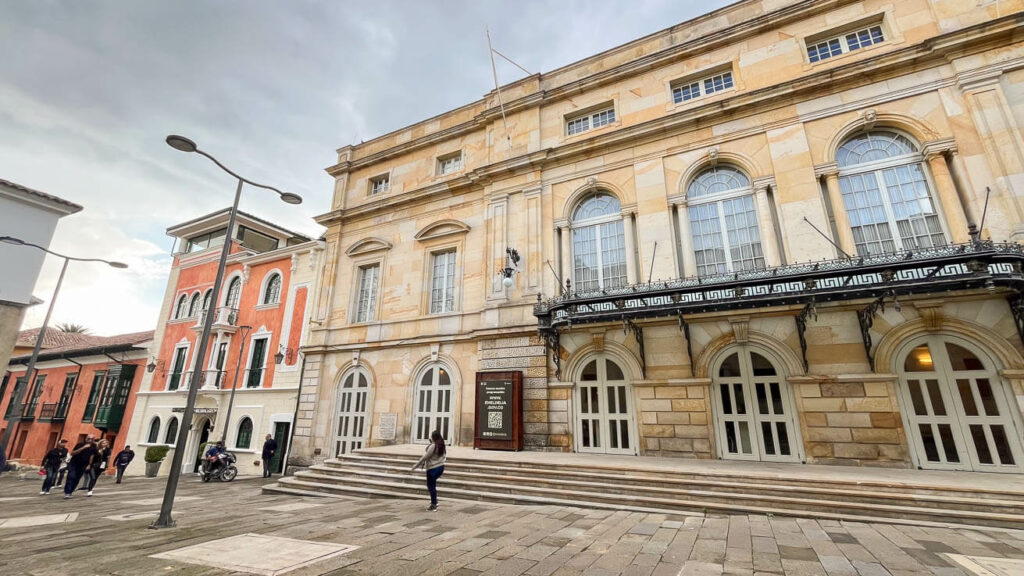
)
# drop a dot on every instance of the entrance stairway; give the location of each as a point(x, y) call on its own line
point(669, 486)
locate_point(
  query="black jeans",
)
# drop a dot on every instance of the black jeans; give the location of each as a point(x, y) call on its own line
point(266, 467)
point(51, 477)
point(60, 475)
point(74, 475)
point(91, 476)
point(432, 475)
point(120, 473)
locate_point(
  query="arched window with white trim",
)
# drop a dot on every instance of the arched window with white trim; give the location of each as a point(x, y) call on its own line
point(598, 244)
point(351, 430)
point(182, 307)
point(154, 430)
point(723, 222)
point(434, 404)
point(171, 436)
point(243, 439)
point(234, 293)
point(886, 194)
point(272, 291)
point(193, 306)
point(207, 297)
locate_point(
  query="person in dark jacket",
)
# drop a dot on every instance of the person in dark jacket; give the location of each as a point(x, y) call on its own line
point(269, 449)
point(51, 463)
point(122, 460)
point(99, 464)
point(81, 459)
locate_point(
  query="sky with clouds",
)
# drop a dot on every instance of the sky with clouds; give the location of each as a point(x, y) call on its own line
point(90, 88)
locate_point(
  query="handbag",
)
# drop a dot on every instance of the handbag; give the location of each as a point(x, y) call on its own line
point(42, 472)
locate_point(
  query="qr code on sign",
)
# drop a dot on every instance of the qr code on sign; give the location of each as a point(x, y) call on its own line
point(494, 419)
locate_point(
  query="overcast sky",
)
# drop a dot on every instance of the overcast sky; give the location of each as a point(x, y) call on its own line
point(89, 89)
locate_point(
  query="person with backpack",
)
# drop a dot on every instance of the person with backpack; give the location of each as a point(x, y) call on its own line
point(122, 460)
point(433, 462)
point(52, 463)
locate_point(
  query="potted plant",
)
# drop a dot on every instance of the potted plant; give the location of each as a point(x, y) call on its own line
point(154, 456)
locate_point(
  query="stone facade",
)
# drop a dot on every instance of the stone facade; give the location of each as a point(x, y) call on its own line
point(637, 128)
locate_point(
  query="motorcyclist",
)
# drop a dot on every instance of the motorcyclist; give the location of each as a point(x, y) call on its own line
point(213, 456)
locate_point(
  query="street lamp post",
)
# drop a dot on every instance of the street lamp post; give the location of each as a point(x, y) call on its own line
point(20, 384)
point(185, 145)
point(234, 383)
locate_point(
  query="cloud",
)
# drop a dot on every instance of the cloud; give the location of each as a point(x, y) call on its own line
point(270, 88)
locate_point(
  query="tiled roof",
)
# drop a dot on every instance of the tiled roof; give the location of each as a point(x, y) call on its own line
point(57, 342)
point(74, 207)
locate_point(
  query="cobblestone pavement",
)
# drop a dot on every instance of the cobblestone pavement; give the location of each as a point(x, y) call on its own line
point(107, 534)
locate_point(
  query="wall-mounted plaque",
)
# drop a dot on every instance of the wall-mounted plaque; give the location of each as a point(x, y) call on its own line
point(499, 411)
point(388, 425)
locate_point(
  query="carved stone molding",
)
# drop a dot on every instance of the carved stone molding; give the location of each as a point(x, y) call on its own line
point(869, 118)
point(826, 169)
point(597, 338)
point(713, 155)
point(931, 313)
point(936, 147)
point(740, 328)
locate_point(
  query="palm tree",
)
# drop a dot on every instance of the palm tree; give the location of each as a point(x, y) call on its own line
point(71, 328)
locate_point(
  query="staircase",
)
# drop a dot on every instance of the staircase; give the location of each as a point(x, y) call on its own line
point(666, 490)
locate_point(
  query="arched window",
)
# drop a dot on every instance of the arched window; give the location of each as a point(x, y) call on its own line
point(154, 430)
point(723, 222)
point(886, 194)
point(206, 299)
point(272, 293)
point(234, 292)
point(353, 396)
point(434, 408)
point(193, 306)
point(182, 307)
point(244, 438)
point(598, 244)
point(171, 436)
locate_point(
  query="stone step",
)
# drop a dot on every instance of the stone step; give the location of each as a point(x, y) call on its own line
point(340, 486)
point(738, 483)
point(705, 491)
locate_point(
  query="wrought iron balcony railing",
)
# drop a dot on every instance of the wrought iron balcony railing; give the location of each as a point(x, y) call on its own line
point(224, 316)
point(53, 412)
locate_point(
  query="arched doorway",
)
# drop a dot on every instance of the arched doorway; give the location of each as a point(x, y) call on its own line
point(753, 408)
point(203, 437)
point(433, 397)
point(350, 425)
point(604, 409)
point(956, 407)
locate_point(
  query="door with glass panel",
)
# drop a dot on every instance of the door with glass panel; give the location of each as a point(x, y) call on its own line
point(754, 411)
point(353, 397)
point(433, 399)
point(957, 409)
point(604, 409)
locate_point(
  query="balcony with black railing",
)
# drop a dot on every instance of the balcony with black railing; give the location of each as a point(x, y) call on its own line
point(24, 412)
point(53, 412)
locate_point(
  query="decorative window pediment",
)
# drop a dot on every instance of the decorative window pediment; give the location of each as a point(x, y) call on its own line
point(441, 229)
point(368, 245)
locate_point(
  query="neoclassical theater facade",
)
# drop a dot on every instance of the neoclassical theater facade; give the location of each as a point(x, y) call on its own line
point(782, 231)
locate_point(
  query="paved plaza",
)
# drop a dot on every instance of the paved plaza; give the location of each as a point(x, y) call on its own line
point(235, 529)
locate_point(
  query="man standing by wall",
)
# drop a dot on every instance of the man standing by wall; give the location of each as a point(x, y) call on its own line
point(269, 449)
point(122, 460)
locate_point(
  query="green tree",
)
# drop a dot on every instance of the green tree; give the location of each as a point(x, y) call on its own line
point(72, 328)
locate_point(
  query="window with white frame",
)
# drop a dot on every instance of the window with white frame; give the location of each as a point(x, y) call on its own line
point(272, 293)
point(598, 244)
point(695, 88)
point(834, 45)
point(578, 123)
point(723, 222)
point(171, 436)
point(154, 430)
point(234, 292)
point(243, 440)
point(182, 308)
point(442, 282)
point(886, 194)
point(366, 300)
point(207, 298)
point(380, 184)
point(449, 163)
point(193, 306)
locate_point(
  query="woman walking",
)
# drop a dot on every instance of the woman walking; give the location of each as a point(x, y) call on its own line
point(98, 466)
point(433, 462)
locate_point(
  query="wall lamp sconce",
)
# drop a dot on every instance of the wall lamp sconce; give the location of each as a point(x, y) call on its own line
point(511, 267)
point(283, 353)
point(154, 364)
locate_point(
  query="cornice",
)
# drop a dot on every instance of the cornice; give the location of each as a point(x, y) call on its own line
point(931, 52)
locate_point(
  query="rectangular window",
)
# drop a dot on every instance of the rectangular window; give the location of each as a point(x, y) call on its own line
point(380, 184)
point(589, 120)
point(366, 303)
point(834, 45)
point(97, 386)
point(450, 163)
point(257, 241)
point(177, 369)
point(208, 240)
point(442, 283)
point(704, 86)
point(259, 352)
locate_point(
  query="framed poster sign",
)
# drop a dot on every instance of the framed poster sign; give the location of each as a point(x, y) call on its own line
point(499, 411)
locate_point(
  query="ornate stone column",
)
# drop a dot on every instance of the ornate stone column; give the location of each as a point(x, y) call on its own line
point(565, 252)
point(629, 235)
point(945, 189)
point(835, 197)
point(687, 257)
point(769, 236)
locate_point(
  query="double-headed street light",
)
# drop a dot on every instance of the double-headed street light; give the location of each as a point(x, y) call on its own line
point(21, 383)
point(186, 145)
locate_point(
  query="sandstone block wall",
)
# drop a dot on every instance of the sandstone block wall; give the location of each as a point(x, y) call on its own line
point(543, 415)
point(675, 419)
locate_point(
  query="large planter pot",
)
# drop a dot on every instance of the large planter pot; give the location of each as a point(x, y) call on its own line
point(152, 468)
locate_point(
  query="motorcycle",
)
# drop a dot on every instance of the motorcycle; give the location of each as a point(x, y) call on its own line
point(222, 468)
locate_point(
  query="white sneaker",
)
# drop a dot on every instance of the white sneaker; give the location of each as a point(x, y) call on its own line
point(41, 492)
point(90, 493)
point(67, 496)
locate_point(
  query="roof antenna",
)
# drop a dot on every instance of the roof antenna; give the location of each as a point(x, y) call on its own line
point(816, 229)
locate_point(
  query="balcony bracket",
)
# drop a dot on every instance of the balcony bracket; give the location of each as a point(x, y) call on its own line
point(638, 334)
point(685, 329)
point(1016, 302)
point(808, 311)
point(551, 342)
point(866, 317)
